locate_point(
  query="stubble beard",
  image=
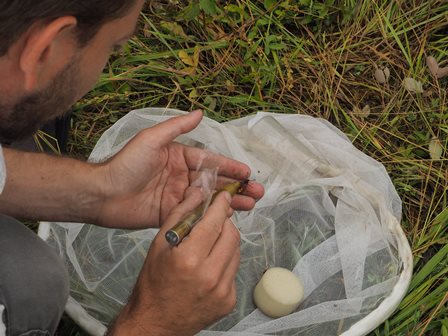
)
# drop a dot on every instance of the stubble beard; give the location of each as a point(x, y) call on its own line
point(31, 112)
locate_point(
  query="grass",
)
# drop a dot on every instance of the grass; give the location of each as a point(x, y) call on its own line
point(310, 57)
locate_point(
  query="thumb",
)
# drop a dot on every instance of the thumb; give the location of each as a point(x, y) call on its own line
point(165, 132)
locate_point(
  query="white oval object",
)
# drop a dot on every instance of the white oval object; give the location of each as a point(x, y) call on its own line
point(278, 293)
point(432, 65)
point(435, 149)
point(380, 76)
point(413, 85)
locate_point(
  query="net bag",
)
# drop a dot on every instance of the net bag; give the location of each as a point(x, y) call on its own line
point(330, 214)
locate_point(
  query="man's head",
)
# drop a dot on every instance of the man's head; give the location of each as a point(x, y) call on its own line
point(51, 54)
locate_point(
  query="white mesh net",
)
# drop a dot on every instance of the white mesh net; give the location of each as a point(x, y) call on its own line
point(330, 214)
point(2, 171)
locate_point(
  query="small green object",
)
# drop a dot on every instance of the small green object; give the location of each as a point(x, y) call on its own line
point(268, 4)
point(208, 6)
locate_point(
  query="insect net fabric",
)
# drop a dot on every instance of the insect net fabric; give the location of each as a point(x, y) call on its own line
point(2, 170)
point(330, 214)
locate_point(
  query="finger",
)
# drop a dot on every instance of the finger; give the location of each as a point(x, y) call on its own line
point(226, 252)
point(206, 232)
point(244, 201)
point(192, 190)
point(193, 198)
point(197, 158)
point(165, 132)
point(228, 283)
point(231, 272)
point(253, 189)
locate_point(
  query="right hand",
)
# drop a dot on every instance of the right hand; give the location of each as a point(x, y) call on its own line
point(182, 290)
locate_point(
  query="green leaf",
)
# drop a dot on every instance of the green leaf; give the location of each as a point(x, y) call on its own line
point(438, 258)
point(267, 50)
point(187, 59)
point(262, 22)
point(444, 331)
point(174, 28)
point(269, 4)
point(386, 328)
point(271, 38)
point(210, 102)
point(305, 2)
point(191, 11)
point(277, 46)
point(306, 20)
point(125, 89)
point(193, 94)
point(234, 9)
point(208, 6)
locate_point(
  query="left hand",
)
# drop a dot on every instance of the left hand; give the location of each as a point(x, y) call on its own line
point(148, 177)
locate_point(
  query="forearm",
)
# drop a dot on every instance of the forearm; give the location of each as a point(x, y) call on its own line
point(43, 187)
point(126, 325)
point(134, 320)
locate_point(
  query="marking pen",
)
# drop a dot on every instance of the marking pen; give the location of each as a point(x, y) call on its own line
point(183, 228)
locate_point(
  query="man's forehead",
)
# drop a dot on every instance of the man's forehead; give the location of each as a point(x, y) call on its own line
point(125, 27)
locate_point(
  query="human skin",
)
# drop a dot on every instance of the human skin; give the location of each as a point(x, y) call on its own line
point(136, 189)
point(144, 185)
point(202, 287)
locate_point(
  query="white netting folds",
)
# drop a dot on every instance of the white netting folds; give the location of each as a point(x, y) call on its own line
point(2, 170)
point(330, 214)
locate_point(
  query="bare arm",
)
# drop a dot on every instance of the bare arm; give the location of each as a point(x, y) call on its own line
point(135, 189)
point(44, 187)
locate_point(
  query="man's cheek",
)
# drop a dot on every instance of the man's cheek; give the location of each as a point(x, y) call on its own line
point(92, 66)
point(90, 79)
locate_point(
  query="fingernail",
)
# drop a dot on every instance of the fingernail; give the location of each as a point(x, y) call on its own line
point(227, 196)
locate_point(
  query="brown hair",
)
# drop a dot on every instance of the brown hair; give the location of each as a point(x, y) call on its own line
point(16, 16)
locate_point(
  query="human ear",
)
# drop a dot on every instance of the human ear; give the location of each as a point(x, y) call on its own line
point(48, 48)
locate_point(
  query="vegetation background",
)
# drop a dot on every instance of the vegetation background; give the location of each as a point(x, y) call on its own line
point(376, 69)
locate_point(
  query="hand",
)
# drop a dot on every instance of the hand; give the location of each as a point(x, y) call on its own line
point(182, 290)
point(148, 177)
